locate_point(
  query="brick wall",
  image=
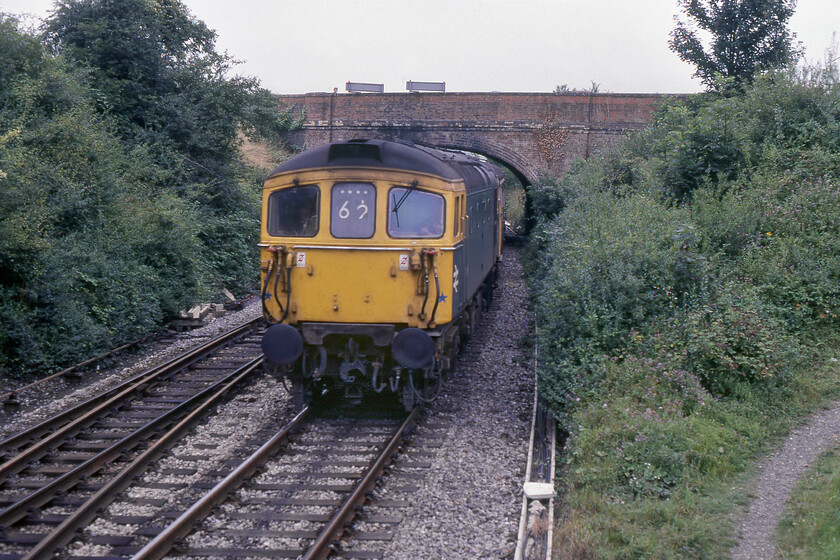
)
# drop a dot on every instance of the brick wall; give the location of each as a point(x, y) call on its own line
point(534, 133)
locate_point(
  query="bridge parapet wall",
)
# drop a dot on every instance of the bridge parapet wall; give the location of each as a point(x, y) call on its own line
point(537, 134)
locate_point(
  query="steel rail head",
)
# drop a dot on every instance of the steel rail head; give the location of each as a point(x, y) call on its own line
point(67, 530)
point(40, 448)
point(19, 390)
point(82, 414)
point(163, 542)
point(44, 494)
point(321, 547)
point(11, 394)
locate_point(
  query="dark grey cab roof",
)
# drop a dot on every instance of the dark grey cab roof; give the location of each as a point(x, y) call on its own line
point(387, 154)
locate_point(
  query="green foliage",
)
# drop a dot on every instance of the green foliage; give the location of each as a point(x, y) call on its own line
point(548, 197)
point(734, 337)
point(747, 36)
point(683, 285)
point(653, 451)
point(86, 246)
point(703, 146)
point(606, 276)
point(122, 195)
point(515, 200)
point(750, 255)
point(158, 74)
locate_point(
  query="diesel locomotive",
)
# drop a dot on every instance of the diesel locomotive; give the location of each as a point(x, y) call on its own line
point(377, 258)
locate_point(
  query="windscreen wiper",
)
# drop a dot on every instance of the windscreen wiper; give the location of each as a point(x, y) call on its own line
point(399, 203)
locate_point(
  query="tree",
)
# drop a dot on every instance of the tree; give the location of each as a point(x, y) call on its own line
point(747, 36)
point(123, 194)
point(162, 80)
point(170, 93)
point(92, 251)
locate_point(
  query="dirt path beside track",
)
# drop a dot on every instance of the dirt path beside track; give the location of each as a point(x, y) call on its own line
point(776, 479)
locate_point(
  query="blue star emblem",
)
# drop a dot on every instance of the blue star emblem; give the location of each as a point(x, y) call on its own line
point(442, 298)
point(267, 296)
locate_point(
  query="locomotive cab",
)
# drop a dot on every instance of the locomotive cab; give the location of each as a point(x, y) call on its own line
point(375, 260)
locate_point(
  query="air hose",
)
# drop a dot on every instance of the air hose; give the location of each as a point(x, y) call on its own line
point(288, 293)
point(276, 281)
point(437, 289)
point(437, 389)
point(271, 268)
point(422, 315)
point(280, 255)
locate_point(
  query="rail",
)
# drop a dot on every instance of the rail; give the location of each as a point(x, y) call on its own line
point(163, 542)
point(73, 415)
point(10, 398)
point(49, 446)
point(321, 547)
point(67, 530)
point(536, 523)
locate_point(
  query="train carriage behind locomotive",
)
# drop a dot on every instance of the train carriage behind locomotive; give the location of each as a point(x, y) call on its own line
point(376, 258)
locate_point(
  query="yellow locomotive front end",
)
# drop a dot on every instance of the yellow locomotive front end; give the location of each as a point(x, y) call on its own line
point(364, 268)
point(357, 246)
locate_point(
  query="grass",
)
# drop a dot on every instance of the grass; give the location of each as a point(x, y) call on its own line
point(810, 527)
point(685, 501)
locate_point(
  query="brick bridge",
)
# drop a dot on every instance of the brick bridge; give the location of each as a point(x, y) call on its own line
point(534, 134)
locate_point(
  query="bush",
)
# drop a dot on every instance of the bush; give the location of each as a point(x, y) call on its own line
point(650, 436)
point(700, 144)
point(682, 288)
point(604, 277)
point(112, 217)
point(741, 267)
point(731, 336)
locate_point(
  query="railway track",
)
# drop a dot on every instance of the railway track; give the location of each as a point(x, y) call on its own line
point(58, 477)
point(11, 399)
point(237, 486)
point(290, 498)
point(291, 503)
point(76, 462)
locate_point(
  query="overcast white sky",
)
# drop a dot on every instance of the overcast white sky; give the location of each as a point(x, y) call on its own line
point(298, 46)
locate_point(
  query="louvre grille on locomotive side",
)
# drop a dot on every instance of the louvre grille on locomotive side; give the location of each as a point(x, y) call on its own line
point(376, 258)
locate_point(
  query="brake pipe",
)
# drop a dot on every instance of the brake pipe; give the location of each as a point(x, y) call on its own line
point(422, 315)
point(266, 315)
point(433, 253)
point(279, 257)
point(288, 266)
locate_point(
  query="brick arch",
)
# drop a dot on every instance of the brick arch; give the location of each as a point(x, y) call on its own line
point(535, 134)
point(467, 141)
point(487, 146)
